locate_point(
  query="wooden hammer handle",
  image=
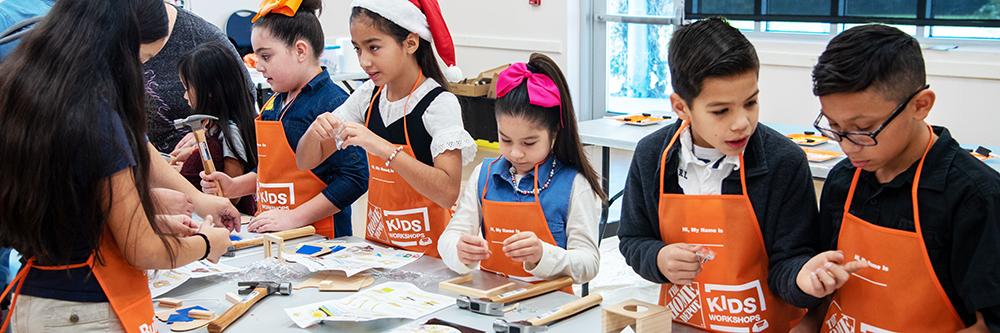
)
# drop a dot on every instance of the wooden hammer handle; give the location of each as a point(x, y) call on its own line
point(286, 235)
point(534, 290)
point(235, 312)
point(568, 309)
point(206, 157)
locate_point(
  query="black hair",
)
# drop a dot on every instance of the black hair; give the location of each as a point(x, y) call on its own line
point(50, 96)
point(567, 148)
point(304, 25)
point(156, 23)
point(220, 90)
point(873, 55)
point(425, 52)
point(705, 49)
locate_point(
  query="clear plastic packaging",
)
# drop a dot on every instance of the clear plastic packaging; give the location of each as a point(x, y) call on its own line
point(268, 269)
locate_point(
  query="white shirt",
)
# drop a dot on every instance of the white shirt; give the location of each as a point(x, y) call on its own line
point(701, 170)
point(443, 118)
point(237, 142)
point(580, 259)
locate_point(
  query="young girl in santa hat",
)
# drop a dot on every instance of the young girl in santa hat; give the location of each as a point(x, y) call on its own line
point(406, 120)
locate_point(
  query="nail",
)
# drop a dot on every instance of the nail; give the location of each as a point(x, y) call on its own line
point(828, 265)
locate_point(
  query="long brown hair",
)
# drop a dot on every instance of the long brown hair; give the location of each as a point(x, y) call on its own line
point(567, 148)
point(425, 54)
point(52, 186)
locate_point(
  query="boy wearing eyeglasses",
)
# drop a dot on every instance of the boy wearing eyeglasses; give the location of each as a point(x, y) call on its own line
point(920, 210)
point(719, 209)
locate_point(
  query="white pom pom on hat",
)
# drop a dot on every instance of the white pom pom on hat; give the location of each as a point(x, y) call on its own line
point(422, 17)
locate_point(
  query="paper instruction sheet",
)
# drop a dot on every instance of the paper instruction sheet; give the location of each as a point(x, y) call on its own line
point(387, 300)
point(357, 258)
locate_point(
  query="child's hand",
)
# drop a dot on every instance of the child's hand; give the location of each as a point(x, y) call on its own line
point(188, 141)
point(275, 220)
point(523, 246)
point(472, 249)
point(177, 225)
point(824, 273)
point(355, 134)
point(679, 262)
point(208, 182)
point(325, 127)
point(218, 237)
point(179, 156)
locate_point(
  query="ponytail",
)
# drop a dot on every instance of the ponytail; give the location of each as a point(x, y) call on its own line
point(425, 54)
point(561, 119)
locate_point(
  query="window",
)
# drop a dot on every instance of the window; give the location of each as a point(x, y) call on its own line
point(975, 13)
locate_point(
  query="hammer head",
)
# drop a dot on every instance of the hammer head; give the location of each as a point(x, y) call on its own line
point(194, 121)
point(480, 305)
point(503, 326)
point(283, 288)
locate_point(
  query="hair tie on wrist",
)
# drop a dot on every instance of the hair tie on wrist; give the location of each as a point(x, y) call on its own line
point(208, 245)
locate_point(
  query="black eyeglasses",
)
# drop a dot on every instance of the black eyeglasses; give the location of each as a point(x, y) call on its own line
point(863, 138)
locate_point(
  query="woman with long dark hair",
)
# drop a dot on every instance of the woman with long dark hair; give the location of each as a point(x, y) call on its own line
point(74, 189)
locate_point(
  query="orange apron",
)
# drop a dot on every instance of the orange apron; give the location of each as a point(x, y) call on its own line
point(504, 219)
point(899, 291)
point(731, 294)
point(127, 288)
point(398, 215)
point(280, 183)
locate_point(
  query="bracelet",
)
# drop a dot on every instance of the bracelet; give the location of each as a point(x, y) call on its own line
point(208, 246)
point(393, 155)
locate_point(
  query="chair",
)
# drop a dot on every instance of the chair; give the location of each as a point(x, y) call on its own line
point(238, 28)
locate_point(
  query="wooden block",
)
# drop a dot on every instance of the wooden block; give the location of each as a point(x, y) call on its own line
point(201, 314)
point(270, 239)
point(169, 302)
point(453, 284)
point(233, 298)
point(643, 317)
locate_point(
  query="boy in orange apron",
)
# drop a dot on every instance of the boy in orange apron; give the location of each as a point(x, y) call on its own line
point(531, 214)
point(288, 197)
point(719, 209)
point(908, 200)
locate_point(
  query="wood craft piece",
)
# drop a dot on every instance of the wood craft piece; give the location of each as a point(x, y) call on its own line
point(169, 302)
point(201, 314)
point(308, 230)
point(455, 284)
point(270, 239)
point(641, 316)
point(185, 326)
point(324, 249)
point(336, 281)
point(245, 219)
point(233, 298)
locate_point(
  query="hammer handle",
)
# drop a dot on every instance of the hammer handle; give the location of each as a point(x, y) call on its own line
point(286, 235)
point(234, 312)
point(535, 290)
point(568, 309)
point(206, 157)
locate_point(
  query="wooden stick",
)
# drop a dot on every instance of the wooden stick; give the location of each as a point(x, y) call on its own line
point(286, 235)
point(512, 307)
point(169, 302)
point(233, 298)
point(201, 314)
point(533, 290)
point(567, 310)
point(453, 284)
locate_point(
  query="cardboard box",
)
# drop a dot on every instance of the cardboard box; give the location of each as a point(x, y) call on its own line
point(482, 85)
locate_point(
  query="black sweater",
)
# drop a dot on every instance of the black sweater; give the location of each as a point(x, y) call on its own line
point(781, 193)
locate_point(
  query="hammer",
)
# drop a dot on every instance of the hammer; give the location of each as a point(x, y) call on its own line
point(538, 324)
point(254, 291)
point(494, 306)
point(197, 125)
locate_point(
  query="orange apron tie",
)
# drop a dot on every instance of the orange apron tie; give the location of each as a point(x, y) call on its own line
point(126, 287)
point(398, 215)
point(731, 292)
point(899, 291)
point(280, 184)
point(504, 219)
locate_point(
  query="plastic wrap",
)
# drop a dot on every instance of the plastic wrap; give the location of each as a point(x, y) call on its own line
point(418, 279)
point(268, 269)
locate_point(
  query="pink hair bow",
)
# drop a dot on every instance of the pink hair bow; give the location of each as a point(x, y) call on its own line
point(542, 91)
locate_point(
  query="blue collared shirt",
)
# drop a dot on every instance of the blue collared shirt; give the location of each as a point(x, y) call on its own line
point(12, 12)
point(346, 171)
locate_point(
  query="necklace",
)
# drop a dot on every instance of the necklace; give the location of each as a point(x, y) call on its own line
point(552, 172)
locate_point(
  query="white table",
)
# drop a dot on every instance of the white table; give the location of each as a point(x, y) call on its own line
point(268, 314)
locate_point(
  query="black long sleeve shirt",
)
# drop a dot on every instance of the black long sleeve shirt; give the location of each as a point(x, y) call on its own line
point(958, 198)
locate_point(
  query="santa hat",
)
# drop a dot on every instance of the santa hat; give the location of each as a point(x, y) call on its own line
point(422, 17)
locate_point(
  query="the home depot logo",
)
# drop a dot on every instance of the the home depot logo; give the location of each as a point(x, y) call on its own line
point(739, 307)
point(685, 302)
point(403, 227)
point(276, 195)
point(841, 323)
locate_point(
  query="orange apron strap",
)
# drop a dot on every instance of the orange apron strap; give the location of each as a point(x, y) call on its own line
point(19, 281)
point(663, 158)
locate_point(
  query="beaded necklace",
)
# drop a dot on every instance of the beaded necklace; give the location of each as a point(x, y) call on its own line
point(552, 172)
